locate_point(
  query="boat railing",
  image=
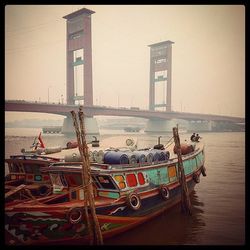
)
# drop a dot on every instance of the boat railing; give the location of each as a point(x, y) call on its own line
point(33, 156)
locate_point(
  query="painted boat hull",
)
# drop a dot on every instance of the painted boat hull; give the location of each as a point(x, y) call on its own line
point(55, 222)
point(46, 225)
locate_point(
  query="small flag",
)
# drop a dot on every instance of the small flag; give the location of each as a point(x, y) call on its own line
point(38, 143)
point(41, 141)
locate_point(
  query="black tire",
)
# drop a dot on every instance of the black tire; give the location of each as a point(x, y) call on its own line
point(164, 191)
point(196, 178)
point(133, 201)
point(44, 190)
point(75, 215)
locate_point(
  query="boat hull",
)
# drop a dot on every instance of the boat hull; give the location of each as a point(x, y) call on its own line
point(41, 224)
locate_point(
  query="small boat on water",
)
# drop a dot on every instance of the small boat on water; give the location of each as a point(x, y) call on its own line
point(126, 193)
point(24, 170)
point(132, 129)
point(25, 174)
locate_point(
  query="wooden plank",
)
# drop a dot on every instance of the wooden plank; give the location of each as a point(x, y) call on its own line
point(17, 189)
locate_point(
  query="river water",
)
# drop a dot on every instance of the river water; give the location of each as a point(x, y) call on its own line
point(218, 201)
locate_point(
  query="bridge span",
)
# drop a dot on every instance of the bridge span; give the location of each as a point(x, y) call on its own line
point(90, 111)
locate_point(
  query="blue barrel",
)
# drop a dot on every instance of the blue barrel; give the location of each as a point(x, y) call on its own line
point(160, 155)
point(132, 158)
point(149, 155)
point(115, 157)
point(163, 156)
point(156, 155)
point(140, 156)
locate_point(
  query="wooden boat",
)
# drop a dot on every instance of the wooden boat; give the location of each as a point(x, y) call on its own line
point(132, 129)
point(25, 179)
point(25, 174)
point(126, 195)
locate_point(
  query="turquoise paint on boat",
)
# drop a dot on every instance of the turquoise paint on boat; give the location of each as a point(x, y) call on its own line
point(109, 194)
point(200, 158)
point(188, 168)
point(158, 176)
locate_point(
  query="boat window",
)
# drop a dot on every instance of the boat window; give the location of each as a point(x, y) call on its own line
point(96, 182)
point(64, 182)
point(73, 179)
point(105, 182)
point(14, 168)
point(58, 180)
point(121, 181)
point(131, 180)
point(172, 174)
point(141, 178)
point(73, 195)
point(32, 168)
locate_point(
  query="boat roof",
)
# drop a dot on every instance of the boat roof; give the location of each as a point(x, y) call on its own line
point(111, 142)
point(118, 142)
point(108, 168)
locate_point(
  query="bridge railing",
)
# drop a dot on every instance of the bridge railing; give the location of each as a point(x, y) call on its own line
point(39, 102)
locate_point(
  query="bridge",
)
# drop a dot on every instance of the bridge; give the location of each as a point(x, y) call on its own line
point(89, 111)
point(79, 56)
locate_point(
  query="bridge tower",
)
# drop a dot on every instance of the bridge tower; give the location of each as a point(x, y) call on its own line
point(160, 77)
point(79, 57)
point(79, 67)
point(160, 74)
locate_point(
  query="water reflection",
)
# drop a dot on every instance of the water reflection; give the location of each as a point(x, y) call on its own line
point(170, 228)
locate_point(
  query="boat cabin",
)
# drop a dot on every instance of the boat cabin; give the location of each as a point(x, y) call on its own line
point(26, 170)
point(114, 181)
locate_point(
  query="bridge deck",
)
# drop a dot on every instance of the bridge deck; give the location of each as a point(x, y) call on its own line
point(61, 109)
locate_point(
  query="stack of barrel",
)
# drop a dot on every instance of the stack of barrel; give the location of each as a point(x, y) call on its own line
point(133, 157)
point(123, 157)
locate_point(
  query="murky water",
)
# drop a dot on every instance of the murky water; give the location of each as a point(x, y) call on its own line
point(218, 200)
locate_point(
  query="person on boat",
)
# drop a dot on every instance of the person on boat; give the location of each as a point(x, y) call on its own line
point(192, 137)
point(197, 137)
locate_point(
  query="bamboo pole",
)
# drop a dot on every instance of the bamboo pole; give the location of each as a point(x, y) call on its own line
point(85, 182)
point(94, 227)
point(97, 230)
point(185, 199)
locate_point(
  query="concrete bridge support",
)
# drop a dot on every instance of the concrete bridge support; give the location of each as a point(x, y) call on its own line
point(200, 126)
point(219, 126)
point(163, 126)
point(91, 126)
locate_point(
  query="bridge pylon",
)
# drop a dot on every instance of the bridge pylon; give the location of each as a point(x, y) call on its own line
point(160, 78)
point(79, 66)
point(79, 57)
point(160, 75)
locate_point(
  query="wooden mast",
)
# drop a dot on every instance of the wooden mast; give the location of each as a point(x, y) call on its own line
point(185, 199)
point(93, 225)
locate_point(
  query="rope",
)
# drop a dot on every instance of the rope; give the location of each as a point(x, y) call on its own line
point(86, 186)
point(169, 144)
point(94, 226)
point(169, 141)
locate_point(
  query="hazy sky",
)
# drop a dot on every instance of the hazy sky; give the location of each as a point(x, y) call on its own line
point(208, 55)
